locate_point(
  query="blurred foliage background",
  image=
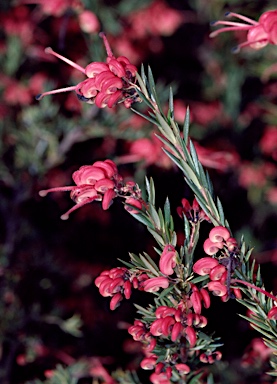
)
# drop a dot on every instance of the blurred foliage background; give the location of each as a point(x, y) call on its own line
point(51, 312)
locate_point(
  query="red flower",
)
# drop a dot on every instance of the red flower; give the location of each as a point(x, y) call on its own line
point(168, 260)
point(203, 266)
point(108, 83)
point(155, 283)
point(116, 284)
point(93, 182)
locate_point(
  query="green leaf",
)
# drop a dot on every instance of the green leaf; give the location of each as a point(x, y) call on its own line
point(165, 128)
point(156, 236)
point(248, 254)
point(166, 291)
point(220, 211)
point(210, 379)
point(196, 379)
point(271, 344)
point(129, 265)
point(186, 227)
point(170, 103)
point(153, 90)
point(160, 213)
point(210, 184)
point(152, 121)
point(198, 279)
point(194, 157)
point(152, 262)
point(168, 144)
point(259, 323)
point(167, 211)
point(142, 219)
point(152, 193)
point(186, 127)
point(184, 167)
point(149, 266)
point(262, 332)
point(154, 215)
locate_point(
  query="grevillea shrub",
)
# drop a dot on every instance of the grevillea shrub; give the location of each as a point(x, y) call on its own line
point(173, 328)
point(198, 265)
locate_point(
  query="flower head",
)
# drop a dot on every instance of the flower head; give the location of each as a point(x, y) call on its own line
point(93, 182)
point(107, 84)
point(259, 33)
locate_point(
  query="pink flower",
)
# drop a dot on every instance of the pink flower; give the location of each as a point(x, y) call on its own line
point(182, 368)
point(155, 283)
point(89, 23)
point(217, 288)
point(217, 272)
point(107, 84)
point(260, 33)
point(156, 19)
point(218, 234)
point(256, 174)
point(196, 299)
point(93, 182)
point(272, 195)
point(268, 142)
point(168, 260)
point(210, 357)
point(203, 266)
point(220, 160)
point(149, 362)
point(146, 150)
point(159, 378)
point(131, 202)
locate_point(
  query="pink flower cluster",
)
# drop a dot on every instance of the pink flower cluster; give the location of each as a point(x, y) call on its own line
point(108, 83)
point(176, 323)
point(260, 33)
point(116, 284)
point(210, 357)
point(101, 182)
point(173, 323)
point(219, 238)
point(140, 333)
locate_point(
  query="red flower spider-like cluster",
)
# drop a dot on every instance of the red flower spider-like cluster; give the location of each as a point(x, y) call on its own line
point(115, 283)
point(176, 324)
point(260, 33)
point(101, 182)
point(108, 83)
point(219, 271)
point(118, 283)
point(219, 237)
